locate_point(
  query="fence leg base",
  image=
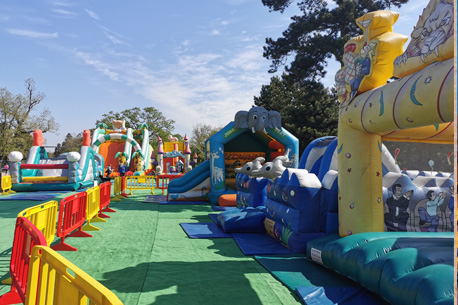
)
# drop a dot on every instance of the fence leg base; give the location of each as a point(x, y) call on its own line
point(11, 297)
point(102, 215)
point(89, 227)
point(125, 195)
point(7, 281)
point(63, 247)
point(79, 233)
point(115, 198)
point(98, 219)
point(108, 209)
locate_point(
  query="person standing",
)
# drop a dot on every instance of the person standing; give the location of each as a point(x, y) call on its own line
point(397, 209)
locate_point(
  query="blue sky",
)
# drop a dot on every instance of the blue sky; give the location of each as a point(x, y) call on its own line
point(195, 61)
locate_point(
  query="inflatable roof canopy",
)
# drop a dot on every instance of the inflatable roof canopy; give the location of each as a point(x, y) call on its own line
point(418, 107)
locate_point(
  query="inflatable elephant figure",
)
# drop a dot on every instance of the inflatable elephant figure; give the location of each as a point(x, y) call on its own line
point(257, 119)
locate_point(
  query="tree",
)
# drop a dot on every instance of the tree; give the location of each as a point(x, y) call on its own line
point(200, 134)
point(318, 34)
point(70, 143)
point(158, 125)
point(18, 119)
point(309, 110)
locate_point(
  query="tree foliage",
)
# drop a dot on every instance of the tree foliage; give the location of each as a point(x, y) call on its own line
point(70, 143)
point(318, 34)
point(158, 124)
point(200, 134)
point(309, 110)
point(19, 118)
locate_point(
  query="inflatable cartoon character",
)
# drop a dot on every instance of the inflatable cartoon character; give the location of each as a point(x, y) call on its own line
point(432, 39)
point(119, 126)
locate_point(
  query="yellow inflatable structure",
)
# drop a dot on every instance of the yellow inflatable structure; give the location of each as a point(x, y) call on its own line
point(418, 107)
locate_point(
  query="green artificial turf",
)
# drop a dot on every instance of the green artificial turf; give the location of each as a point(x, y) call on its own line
point(143, 256)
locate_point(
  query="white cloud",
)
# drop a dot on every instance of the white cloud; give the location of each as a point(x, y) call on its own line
point(114, 37)
point(106, 68)
point(215, 32)
point(92, 14)
point(32, 34)
point(249, 59)
point(61, 13)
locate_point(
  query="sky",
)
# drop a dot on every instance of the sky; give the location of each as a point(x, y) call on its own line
point(195, 61)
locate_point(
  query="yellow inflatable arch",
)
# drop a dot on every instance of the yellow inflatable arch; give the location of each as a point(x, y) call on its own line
point(419, 106)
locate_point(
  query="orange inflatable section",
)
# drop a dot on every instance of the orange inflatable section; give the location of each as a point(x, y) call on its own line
point(227, 200)
point(108, 152)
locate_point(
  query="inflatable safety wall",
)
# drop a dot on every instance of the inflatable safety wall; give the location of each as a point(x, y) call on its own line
point(251, 192)
point(293, 209)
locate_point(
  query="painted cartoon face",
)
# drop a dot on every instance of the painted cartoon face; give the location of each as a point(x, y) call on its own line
point(433, 196)
point(436, 30)
point(398, 191)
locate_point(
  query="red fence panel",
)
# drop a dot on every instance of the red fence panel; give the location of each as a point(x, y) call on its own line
point(105, 197)
point(72, 214)
point(162, 181)
point(44, 166)
point(26, 236)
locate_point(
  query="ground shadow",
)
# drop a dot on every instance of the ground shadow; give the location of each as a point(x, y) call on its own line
point(177, 282)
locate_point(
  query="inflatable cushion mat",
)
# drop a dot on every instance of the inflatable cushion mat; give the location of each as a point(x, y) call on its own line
point(259, 244)
point(204, 230)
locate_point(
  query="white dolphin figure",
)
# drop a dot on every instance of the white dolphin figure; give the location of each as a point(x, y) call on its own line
point(270, 170)
point(285, 159)
point(248, 167)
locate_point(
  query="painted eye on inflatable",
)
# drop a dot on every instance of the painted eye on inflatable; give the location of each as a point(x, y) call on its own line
point(268, 168)
point(263, 117)
point(291, 193)
point(255, 117)
point(248, 168)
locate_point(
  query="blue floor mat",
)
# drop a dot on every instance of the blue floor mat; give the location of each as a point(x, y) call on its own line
point(204, 230)
point(213, 217)
point(182, 202)
point(259, 244)
point(337, 295)
point(218, 208)
point(34, 197)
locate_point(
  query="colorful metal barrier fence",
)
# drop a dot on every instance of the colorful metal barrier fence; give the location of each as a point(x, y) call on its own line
point(117, 189)
point(26, 236)
point(43, 216)
point(140, 183)
point(162, 181)
point(105, 198)
point(72, 214)
point(7, 185)
point(92, 209)
point(55, 280)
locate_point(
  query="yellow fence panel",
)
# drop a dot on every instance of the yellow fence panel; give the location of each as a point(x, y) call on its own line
point(7, 185)
point(140, 183)
point(92, 209)
point(55, 280)
point(44, 217)
point(117, 189)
